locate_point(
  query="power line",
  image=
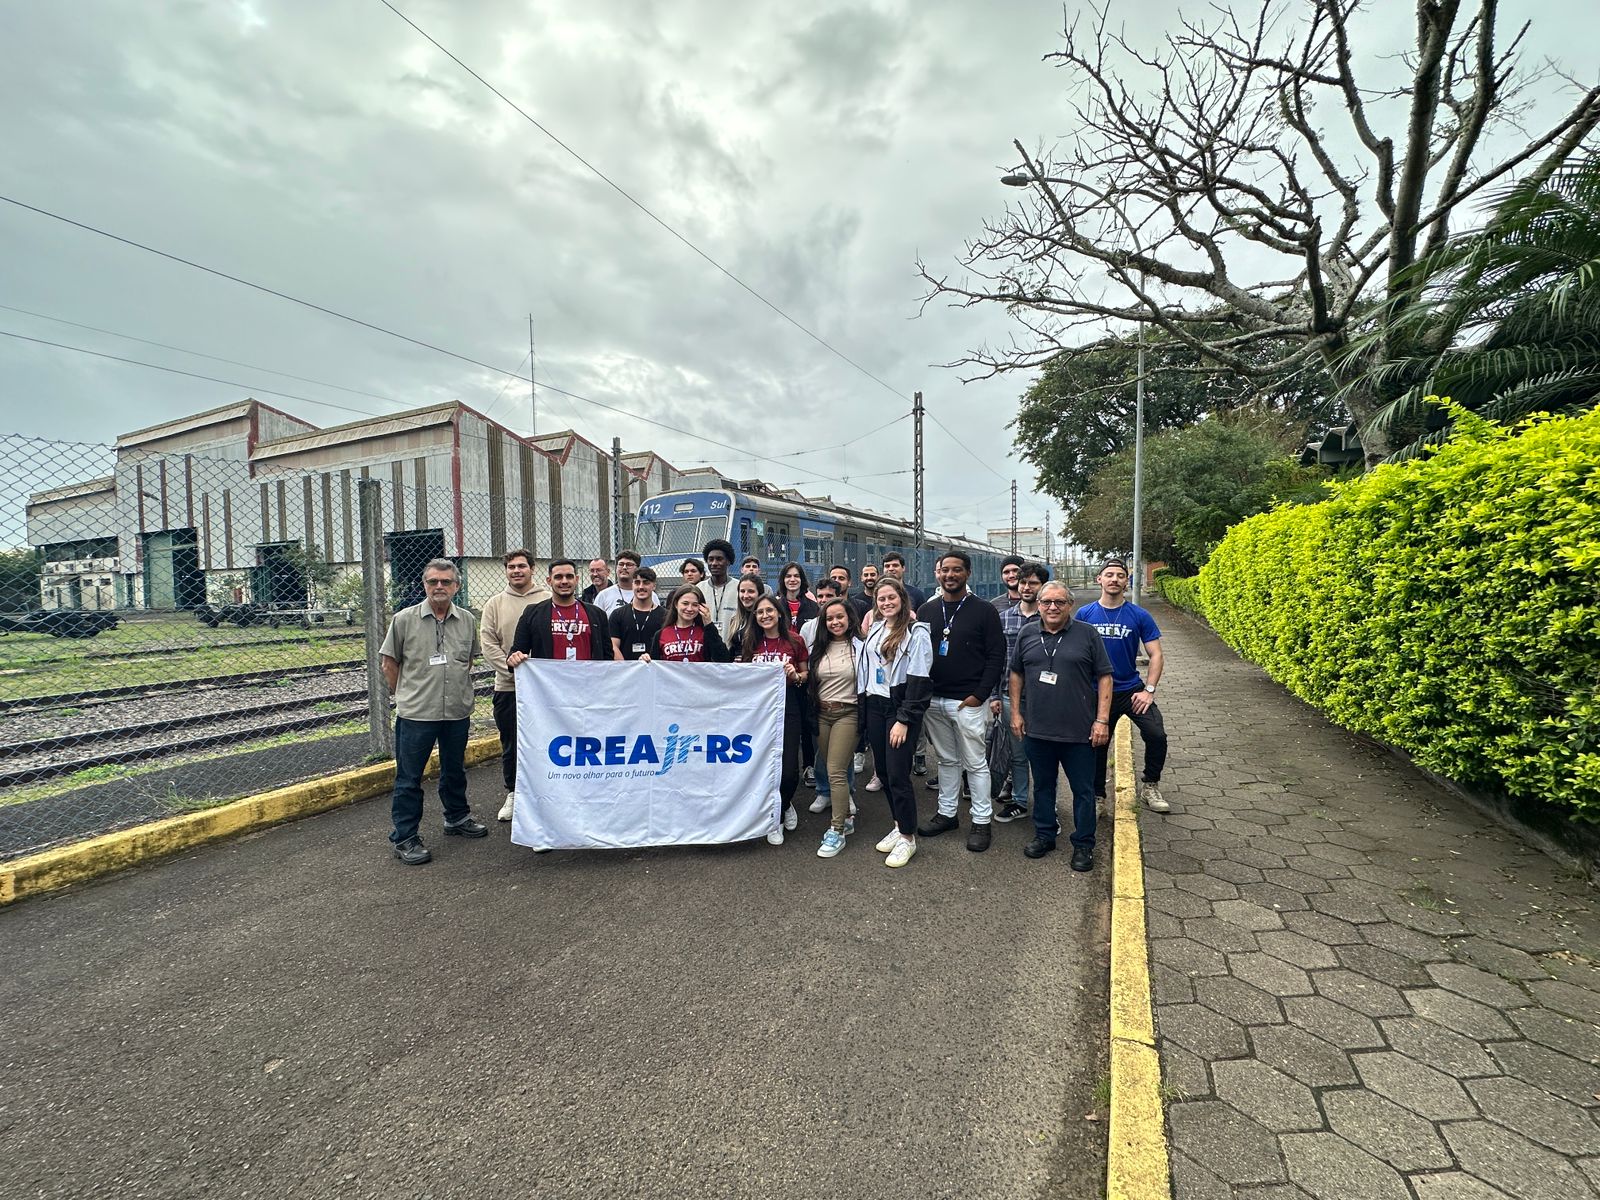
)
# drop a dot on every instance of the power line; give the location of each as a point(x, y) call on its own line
point(135, 362)
point(376, 329)
point(232, 362)
point(509, 381)
point(968, 449)
point(616, 187)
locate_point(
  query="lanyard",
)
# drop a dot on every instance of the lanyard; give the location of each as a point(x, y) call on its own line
point(569, 633)
point(716, 596)
point(638, 625)
point(438, 632)
point(950, 617)
point(1050, 651)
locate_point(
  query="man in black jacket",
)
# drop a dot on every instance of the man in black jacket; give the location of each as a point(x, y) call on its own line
point(969, 656)
point(563, 626)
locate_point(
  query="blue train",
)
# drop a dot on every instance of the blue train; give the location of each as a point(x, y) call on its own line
point(781, 527)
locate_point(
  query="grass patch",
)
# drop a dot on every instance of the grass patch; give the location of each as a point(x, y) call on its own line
point(1423, 896)
point(67, 679)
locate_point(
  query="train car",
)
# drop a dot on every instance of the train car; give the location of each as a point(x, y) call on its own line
point(779, 527)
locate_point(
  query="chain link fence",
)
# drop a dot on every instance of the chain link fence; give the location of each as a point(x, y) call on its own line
point(178, 630)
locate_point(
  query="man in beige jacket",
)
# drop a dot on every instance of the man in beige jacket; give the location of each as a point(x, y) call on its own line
point(499, 626)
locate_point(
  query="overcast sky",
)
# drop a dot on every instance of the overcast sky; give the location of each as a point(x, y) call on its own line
point(323, 148)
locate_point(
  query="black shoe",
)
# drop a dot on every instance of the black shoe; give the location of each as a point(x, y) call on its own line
point(1082, 860)
point(937, 824)
point(919, 764)
point(1039, 847)
point(933, 783)
point(412, 852)
point(467, 828)
point(1009, 811)
point(978, 839)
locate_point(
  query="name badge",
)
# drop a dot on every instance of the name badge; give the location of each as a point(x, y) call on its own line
point(882, 681)
point(638, 647)
point(1047, 676)
point(438, 660)
point(572, 654)
point(944, 647)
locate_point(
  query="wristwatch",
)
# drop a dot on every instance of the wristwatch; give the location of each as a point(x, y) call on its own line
point(1151, 688)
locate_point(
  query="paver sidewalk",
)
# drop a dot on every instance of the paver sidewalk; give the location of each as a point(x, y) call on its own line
point(1363, 988)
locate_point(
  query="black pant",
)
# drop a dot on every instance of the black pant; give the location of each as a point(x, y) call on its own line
point(808, 733)
point(1151, 731)
point(505, 720)
point(894, 762)
point(790, 779)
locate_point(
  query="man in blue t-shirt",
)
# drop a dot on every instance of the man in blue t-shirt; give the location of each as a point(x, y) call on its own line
point(1125, 627)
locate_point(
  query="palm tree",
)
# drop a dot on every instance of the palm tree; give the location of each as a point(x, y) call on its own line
point(1506, 319)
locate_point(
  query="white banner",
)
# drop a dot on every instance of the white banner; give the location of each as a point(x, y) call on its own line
point(618, 754)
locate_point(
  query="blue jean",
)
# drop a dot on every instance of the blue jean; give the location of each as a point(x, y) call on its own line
point(1019, 758)
point(413, 743)
point(1049, 758)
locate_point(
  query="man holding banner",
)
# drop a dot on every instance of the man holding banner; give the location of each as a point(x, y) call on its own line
point(563, 626)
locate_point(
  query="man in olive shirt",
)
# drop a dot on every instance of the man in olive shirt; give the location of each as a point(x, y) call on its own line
point(1061, 708)
point(427, 663)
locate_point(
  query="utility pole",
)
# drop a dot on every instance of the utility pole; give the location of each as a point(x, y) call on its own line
point(380, 721)
point(916, 465)
point(533, 397)
point(1049, 545)
point(1138, 464)
point(1013, 516)
point(616, 496)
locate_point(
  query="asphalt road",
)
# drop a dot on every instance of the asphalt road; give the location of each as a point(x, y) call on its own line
point(296, 1014)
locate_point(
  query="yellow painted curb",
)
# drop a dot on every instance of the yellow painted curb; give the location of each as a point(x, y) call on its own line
point(1136, 1153)
point(52, 870)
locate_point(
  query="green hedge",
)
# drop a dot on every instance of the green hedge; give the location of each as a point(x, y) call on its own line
point(1449, 606)
point(1181, 590)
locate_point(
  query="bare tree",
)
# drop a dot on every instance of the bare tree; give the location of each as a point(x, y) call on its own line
point(1239, 187)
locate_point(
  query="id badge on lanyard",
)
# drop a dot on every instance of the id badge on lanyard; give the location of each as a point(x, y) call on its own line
point(572, 654)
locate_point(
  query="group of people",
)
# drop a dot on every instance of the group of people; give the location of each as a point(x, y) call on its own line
point(872, 670)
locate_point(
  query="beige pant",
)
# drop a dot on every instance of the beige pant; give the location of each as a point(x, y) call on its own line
point(836, 744)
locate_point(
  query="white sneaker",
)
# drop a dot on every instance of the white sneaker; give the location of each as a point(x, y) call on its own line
point(505, 809)
point(886, 843)
point(775, 838)
point(901, 854)
point(832, 843)
point(859, 761)
point(852, 806)
point(791, 817)
point(1154, 799)
point(822, 804)
point(874, 784)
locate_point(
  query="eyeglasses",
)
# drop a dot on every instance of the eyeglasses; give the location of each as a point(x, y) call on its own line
point(1052, 604)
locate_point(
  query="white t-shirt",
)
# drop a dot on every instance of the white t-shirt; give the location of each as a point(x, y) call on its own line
point(615, 597)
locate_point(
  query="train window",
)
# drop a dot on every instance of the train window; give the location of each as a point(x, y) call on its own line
point(777, 541)
point(850, 552)
point(818, 547)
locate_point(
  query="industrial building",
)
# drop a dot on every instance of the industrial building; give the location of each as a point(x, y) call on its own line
point(222, 505)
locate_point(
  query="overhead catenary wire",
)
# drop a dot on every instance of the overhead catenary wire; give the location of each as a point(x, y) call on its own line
point(967, 448)
point(426, 345)
point(640, 205)
point(135, 362)
point(255, 389)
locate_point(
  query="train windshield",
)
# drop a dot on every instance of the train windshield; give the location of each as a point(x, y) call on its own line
point(678, 535)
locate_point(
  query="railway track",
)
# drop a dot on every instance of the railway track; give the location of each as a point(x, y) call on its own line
point(43, 758)
point(171, 687)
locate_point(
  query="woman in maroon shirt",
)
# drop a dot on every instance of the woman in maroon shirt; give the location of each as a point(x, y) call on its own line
point(769, 639)
point(688, 636)
point(794, 590)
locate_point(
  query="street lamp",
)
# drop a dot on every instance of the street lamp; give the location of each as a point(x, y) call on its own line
point(1028, 180)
